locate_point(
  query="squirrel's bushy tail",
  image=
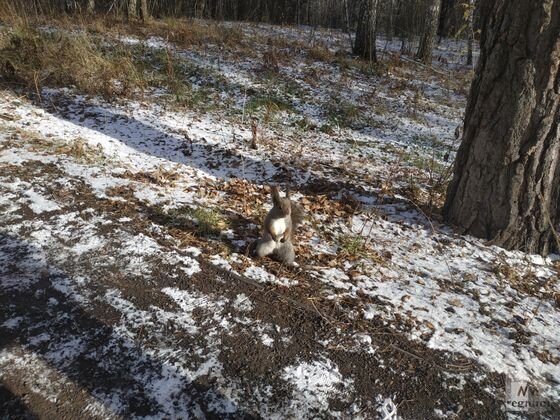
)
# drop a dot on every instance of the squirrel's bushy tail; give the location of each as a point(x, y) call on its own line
point(298, 215)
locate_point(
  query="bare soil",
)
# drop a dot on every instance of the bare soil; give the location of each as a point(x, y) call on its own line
point(414, 374)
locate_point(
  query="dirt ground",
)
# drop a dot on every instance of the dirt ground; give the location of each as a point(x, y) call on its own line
point(415, 375)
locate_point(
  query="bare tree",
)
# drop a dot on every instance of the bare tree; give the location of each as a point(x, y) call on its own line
point(144, 14)
point(131, 9)
point(90, 6)
point(430, 28)
point(506, 185)
point(445, 9)
point(364, 44)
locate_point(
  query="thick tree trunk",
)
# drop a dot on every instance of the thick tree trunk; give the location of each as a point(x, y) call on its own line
point(442, 24)
point(364, 44)
point(430, 28)
point(144, 14)
point(506, 184)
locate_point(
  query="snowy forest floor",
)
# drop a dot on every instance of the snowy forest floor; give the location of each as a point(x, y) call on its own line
point(125, 284)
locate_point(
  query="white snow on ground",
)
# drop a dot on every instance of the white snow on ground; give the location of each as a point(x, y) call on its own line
point(243, 303)
point(262, 276)
point(314, 383)
point(174, 373)
point(12, 323)
point(455, 298)
point(138, 247)
point(387, 409)
point(39, 203)
point(456, 294)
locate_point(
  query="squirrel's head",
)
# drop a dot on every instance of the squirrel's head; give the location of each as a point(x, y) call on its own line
point(284, 204)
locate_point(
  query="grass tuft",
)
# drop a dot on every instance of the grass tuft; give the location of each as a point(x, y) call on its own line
point(320, 53)
point(34, 59)
point(208, 221)
point(343, 114)
point(38, 58)
point(82, 151)
point(188, 32)
point(353, 245)
point(270, 105)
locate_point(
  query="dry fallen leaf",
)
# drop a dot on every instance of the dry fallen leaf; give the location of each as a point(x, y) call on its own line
point(456, 302)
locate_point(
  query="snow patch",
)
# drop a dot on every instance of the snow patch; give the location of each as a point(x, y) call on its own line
point(314, 384)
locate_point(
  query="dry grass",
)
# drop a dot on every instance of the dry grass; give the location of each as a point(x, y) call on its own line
point(343, 113)
point(78, 55)
point(187, 32)
point(270, 60)
point(37, 59)
point(95, 65)
point(320, 53)
point(83, 152)
point(182, 31)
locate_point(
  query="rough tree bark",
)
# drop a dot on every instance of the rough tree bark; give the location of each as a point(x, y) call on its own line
point(364, 44)
point(506, 184)
point(70, 6)
point(442, 24)
point(390, 24)
point(428, 35)
point(144, 14)
point(469, 14)
point(131, 10)
point(347, 23)
point(470, 44)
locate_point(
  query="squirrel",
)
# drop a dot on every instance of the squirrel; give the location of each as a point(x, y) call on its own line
point(279, 227)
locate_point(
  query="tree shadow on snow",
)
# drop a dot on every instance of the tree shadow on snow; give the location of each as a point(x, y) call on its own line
point(217, 154)
point(12, 406)
point(40, 315)
point(200, 149)
point(221, 157)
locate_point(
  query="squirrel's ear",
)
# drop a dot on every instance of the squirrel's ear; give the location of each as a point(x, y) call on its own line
point(275, 194)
